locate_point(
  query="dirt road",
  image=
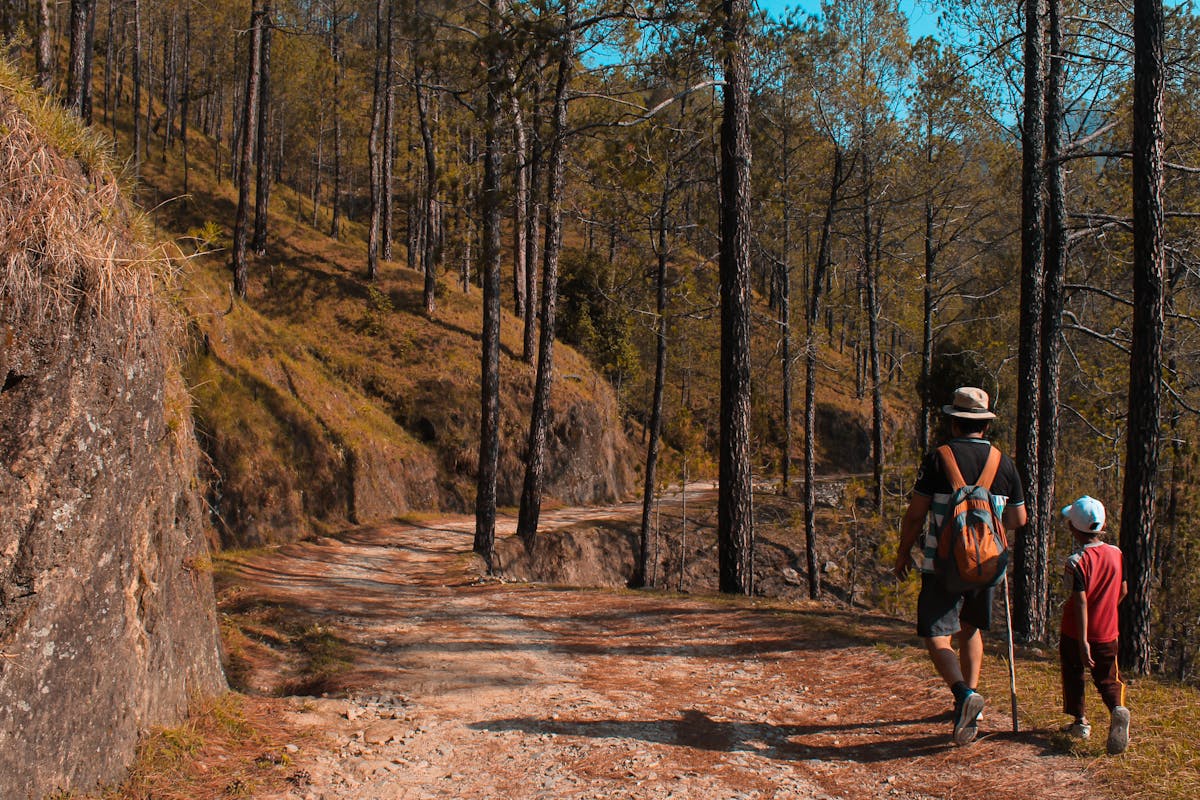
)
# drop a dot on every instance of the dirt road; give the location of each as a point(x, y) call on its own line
point(464, 688)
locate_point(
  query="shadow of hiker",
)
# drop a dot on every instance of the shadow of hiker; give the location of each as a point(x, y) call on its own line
point(697, 730)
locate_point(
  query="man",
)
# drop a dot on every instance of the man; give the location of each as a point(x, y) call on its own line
point(941, 614)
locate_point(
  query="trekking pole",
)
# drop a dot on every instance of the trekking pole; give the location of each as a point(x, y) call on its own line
point(1012, 664)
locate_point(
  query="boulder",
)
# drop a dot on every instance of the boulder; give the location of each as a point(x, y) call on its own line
point(107, 618)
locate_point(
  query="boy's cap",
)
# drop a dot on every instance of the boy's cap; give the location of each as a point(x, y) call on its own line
point(1086, 514)
point(969, 403)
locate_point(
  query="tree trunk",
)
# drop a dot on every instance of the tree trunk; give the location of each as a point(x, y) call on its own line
point(137, 86)
point(785, 323)
point(879, 454)
point(389, 127)
point(1041, 527)
point(170, 78)
point(520, 203)
point(108, 62)
point(335, 44)
point(812, 320)
point(490, 198)
point(246, 154)
point(927, 329)
point(429, 255)
point(533, 224)
point(872, 303)
point(216, 139)
point(317, 165)
point(1027, 573)
point(1145, 361)
point(44, 54)
point(262, 181)
point(735, 517)
point(187, 94)
point(660, 380)
point(79, 68)
point(375, 147)
point(535, 454)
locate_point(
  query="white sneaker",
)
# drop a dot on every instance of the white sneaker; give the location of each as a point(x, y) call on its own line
point(1078, 730)
point(1118, 731)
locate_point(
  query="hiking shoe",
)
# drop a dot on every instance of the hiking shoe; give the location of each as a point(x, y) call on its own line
point(966, 718)
point(1078, 730)
point(1118, 731)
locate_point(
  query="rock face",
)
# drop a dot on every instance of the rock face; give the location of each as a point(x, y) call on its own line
point(107, 619)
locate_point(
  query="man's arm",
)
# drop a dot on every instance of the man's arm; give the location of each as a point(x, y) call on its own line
point(910, 529)
point(1015, 517)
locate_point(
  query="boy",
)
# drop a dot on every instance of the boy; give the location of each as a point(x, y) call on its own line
point(1088, 640)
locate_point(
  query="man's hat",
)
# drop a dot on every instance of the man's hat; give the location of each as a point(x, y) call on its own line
point(969, 403)
point(1086, 514)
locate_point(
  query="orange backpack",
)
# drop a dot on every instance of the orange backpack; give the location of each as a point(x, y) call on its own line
point(972, 550)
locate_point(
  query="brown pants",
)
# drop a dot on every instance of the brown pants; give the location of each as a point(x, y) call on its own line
point(1104, 675)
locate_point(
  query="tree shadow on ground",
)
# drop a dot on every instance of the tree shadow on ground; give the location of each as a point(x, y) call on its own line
point(695, 729)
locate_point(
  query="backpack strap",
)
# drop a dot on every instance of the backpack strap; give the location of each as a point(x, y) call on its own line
point(989, 470)
point(950, 468)
point(954, 474)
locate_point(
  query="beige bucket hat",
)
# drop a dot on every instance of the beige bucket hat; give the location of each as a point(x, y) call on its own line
point(969, 403)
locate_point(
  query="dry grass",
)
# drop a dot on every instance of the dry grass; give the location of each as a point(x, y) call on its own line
point(72, 244)
point(231, 746)
point(1162, 762)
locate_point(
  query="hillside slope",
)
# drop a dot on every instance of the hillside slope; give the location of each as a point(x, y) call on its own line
point(324, 399)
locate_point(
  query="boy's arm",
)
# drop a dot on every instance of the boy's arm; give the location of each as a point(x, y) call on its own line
point(1085, 651)
point(1124, 591)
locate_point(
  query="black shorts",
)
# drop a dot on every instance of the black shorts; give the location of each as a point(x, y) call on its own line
point(942, 613)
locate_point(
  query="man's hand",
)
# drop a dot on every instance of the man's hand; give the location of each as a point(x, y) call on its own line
point(910, 530)
point(1085, 654)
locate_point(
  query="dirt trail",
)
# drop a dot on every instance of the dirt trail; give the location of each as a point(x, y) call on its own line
point(464, 688)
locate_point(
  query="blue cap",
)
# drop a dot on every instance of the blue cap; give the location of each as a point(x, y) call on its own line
point(1086, 514)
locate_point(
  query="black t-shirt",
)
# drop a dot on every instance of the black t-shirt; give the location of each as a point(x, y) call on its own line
point(971, 455)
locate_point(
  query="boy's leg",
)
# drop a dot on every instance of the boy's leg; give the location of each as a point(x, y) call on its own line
point(1108, 681)
point(1074, 673)
point(1106, 676)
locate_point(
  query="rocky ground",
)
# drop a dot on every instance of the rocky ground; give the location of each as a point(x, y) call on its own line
point(464, 687)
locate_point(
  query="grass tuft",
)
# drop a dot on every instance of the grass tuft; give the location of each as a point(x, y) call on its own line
point(73, 245)
point(231, 746)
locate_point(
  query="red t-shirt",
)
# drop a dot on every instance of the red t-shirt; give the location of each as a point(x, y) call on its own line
point(1097, 569)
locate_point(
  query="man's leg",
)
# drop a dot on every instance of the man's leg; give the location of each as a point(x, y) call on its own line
point(937, 623)
point(945, 660)
point(970, 654)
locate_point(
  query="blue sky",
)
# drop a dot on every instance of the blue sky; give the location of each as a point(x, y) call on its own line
point(922, 21)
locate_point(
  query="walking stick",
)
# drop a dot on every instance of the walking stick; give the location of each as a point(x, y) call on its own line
point(1012, 664)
